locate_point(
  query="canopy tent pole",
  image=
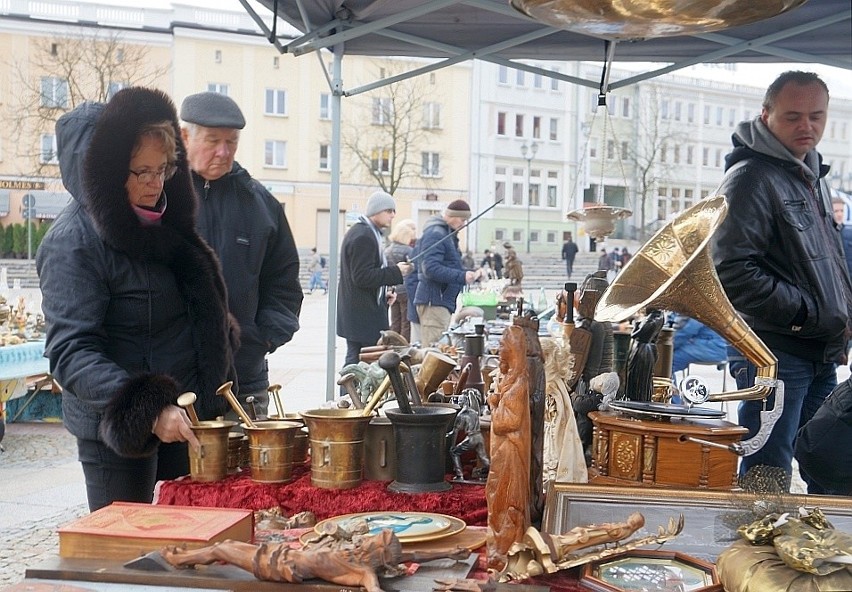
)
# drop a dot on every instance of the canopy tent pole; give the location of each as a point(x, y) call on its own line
point(334, 220)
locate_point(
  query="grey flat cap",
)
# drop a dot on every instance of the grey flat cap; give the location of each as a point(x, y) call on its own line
point(212, 109)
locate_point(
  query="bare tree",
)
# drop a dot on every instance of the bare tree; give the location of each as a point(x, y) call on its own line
point(389, 130)
point(60, 73)
point(650, 154)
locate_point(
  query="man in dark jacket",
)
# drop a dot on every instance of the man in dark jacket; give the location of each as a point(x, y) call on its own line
point(779, 258)
point(248, 230)
point(440, 271)
point(569, 253)
point(362, 300)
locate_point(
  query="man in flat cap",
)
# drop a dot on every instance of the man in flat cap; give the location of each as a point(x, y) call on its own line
point(440, 271)
point(247, 228)
point(363, 299)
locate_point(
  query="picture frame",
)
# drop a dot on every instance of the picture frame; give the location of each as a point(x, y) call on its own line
point(710, 516)
point(641, 569)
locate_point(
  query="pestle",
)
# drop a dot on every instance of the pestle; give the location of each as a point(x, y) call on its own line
point(462, 382)
point(252, 411)
point(225, 391)
point(389, 362)
point(347, 381)
point(274, 391)
point(187, 400)
point(416, 399)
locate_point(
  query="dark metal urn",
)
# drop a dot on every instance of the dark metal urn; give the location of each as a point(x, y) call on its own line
point(421, 448)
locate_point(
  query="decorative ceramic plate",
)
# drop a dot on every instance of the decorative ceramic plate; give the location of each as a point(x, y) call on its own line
point(409, 527)
point(664, 410)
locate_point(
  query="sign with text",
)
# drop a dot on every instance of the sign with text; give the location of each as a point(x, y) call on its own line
point(25, 185)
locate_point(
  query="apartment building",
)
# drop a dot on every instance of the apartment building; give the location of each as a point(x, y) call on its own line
point(484, 132)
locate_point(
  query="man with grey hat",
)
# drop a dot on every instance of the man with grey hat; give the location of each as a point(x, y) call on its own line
point(247, 228)
point(363, 298)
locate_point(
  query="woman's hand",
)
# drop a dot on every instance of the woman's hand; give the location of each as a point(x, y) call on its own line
point(173, 425)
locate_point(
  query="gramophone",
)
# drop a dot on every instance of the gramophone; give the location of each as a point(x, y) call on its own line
point(674, 271)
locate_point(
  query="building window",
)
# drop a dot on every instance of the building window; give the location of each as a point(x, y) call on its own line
point(537, 80)
point(48, 149)
point(430, 164)
point(536, 127)
point(325, 106)
point(705, 157)
point(625, 107)
point(519, 126)
point(499, 234)
point(432, 115)
point(218, 87)
point(503, 74)
point(517, 194)
point(706, 114)
point(516, 235)
point(382, 111)
point(551, 237)
point(732, 117)
point(519, 77)
point(554, 82)
point(534, 236)
point(690, 154)
point(276, 102)
point(114, 87)
point(625, 150)
point(677, 153)
point(535, 194)
point(664, 109)
point(54, 92)
point(720, 113)
point(217, 56)
point(552, 192)
point(324, 160)
point(275, 153)
point(499, 191)
point(664, 149)
point(593, 147)
point(718, 158)
point(501, 123)
point(275, 62)
point(678, 106)
point(554, 129)
point(380, 161)
point(690, 113)
point(610, 149)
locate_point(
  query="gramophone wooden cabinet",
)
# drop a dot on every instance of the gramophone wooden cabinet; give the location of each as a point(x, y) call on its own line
point(628, 451)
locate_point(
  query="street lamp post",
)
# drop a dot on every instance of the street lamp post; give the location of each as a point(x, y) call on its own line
point(528, 152)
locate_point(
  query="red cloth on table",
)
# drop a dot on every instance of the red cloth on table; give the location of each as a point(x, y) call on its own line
point(466, 502)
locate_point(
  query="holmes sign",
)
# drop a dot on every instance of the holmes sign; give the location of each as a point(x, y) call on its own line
point(24, 185)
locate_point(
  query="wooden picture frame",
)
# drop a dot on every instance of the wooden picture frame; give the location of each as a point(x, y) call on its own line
point(710, 516)
point(641, 569)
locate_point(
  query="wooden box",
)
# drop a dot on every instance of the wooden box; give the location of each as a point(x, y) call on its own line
point(126, 530)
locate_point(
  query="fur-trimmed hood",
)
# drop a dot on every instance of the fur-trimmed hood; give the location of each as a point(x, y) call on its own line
point(104, 138)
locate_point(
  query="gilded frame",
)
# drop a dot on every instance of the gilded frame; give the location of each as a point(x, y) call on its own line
point(708, 514)
point(704, 574)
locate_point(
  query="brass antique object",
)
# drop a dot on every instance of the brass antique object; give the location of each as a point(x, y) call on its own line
point(640, 19)
point(599, 219)
point(674, 271)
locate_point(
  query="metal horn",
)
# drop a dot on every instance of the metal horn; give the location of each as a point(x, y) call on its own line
point(674, 271)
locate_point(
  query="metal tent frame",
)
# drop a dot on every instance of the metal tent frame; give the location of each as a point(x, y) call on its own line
point(453, 31)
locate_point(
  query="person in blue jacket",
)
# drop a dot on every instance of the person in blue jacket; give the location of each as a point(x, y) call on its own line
point(695, 343)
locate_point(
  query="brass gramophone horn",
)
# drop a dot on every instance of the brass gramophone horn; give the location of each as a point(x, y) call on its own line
point(674, 271)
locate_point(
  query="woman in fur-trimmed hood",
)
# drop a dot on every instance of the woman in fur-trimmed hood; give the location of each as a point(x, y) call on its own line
point(134, 299)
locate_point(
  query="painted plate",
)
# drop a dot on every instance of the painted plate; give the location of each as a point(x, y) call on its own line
point(409, 527)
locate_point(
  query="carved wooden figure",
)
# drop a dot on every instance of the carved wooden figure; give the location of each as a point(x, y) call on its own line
point(507, 490)
point(350, 564)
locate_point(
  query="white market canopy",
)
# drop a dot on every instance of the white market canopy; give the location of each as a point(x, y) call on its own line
point(453, 31)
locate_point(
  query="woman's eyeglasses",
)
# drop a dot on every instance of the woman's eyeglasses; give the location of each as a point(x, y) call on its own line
point(163, 174)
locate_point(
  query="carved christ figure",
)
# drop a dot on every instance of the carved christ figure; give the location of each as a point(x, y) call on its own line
point(507, 490)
